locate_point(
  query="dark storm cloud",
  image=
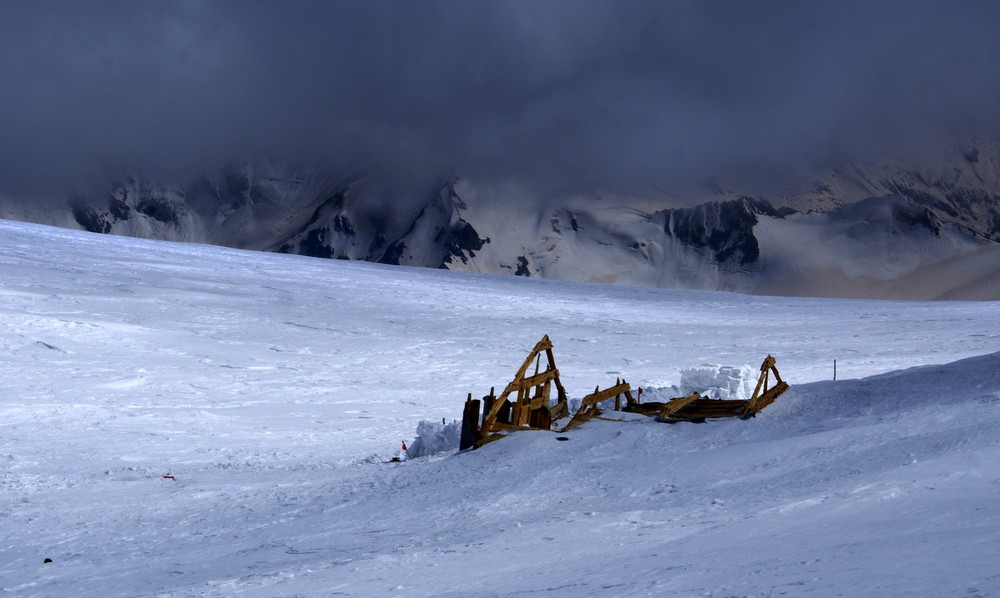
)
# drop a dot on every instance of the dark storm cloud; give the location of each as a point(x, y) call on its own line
point(558, 93)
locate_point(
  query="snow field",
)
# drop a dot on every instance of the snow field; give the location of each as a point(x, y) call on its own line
point(274, 388)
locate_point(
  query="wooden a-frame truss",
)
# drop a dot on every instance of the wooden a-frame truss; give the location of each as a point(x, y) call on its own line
point(530, 406)
point(527, 401)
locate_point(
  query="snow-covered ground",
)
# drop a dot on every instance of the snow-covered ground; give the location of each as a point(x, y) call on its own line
point(274, 388)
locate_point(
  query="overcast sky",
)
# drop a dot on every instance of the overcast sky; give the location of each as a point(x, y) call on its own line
point(573, 93)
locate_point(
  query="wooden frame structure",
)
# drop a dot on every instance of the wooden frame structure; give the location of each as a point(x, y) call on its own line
point(530, 406)
point(527, 401)
point(697, 409)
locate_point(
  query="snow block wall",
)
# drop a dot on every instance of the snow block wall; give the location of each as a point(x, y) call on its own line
point(719, 381)
point(435, 437)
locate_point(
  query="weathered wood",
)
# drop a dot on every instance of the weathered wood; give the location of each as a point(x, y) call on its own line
point(540, 418)
point(561, 396)
point(762, 395)
point(470, 424)
point(677, 404)
point(531, 404)
point(520, 408)
point(503, 412)
point(588, 405)
point(537, 403)
point(543, 345)
point(536, 380)
point(695, 408)
point(701, 409)
point(488, 401)
point(519, 384)
point(599, 396)
point(756, 405)
point(559, 410)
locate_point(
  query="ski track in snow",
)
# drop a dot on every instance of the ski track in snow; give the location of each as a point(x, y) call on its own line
point(273, 389)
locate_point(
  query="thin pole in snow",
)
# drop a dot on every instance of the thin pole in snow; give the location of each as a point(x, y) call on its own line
point(834, 369)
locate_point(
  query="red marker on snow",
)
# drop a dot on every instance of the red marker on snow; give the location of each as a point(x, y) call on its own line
point(404, 445)
point(169, 477)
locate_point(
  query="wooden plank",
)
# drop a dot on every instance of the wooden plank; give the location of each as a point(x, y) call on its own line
point(677, 404)
point(562, 400)
point(762, 380)
point(593, 399)
point(543, 345)
point(521, 408)
point(603, 395)
point(758, 404)
point(540, 419)
point(559, 410)
point(537, 379)
point(537, 402)
point(703, 408)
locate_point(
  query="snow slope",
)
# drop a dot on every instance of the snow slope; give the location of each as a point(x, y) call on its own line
point(273, 389)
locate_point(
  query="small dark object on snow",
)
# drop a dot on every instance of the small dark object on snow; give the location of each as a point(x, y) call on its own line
point(561, 438)
point(395, 460)
point(47, 561)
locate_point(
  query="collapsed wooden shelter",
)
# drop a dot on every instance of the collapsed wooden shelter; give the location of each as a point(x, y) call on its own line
point(527, 402)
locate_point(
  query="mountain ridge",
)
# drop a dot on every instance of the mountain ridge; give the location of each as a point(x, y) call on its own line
point(735, 242)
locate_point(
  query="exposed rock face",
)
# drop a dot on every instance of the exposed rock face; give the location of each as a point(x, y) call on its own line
point(439, 236)
point(881, 223)
point(723, 231)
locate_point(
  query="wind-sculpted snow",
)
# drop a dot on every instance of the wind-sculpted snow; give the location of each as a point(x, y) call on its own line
point(188, 420)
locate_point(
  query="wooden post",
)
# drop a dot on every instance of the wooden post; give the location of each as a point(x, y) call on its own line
point(503, 413)
point(488, 403)
point(470, 424)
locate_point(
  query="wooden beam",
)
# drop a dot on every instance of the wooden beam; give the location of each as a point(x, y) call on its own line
point(675, 405)
point(559, 410)
point(543, 345)
point(537, 379)
point(596, 397)
point(757, 404)
point(768, 363)
point(599, 396)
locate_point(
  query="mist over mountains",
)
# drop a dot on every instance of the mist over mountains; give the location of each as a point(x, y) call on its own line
point(650, 142)
point(859, 231)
